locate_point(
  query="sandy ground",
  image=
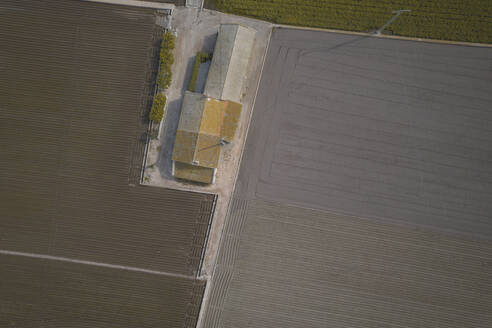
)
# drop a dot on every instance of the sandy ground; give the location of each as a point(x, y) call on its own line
point(197, 31)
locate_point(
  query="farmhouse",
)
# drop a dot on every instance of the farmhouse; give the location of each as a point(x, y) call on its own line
point(209, 121)
point(205, 124)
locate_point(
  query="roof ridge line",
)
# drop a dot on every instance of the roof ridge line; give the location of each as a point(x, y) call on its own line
point(229, 61)
point(195, 150)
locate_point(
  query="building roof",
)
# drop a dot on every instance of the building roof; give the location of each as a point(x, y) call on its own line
point(204, 123)
point(230, 62)
point(193, 172)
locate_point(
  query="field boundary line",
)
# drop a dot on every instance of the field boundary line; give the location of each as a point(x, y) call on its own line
point(383, 36)
point(97, 264)
point(207, 235)
point(135, 3)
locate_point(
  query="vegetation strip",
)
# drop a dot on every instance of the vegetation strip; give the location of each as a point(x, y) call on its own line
point(157, 110)
point(164, 76)
point(455, 20)
point(166, 60)
point(201, 57)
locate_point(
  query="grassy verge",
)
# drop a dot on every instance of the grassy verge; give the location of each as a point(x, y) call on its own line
point(457, 20)
point(200, 58)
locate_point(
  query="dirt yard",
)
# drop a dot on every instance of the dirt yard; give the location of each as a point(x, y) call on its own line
point(197, 31)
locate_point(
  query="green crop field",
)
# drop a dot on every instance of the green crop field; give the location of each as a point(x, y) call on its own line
point(457, 20)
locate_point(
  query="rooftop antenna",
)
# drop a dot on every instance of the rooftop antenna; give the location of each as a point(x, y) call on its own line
point(391, 20)
point(222, 142)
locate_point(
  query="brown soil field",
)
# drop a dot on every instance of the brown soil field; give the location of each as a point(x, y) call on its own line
point(76, 81)
point(42, 294)
point(364, 193)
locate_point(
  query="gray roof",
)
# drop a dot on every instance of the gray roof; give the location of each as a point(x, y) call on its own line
point(230, 62)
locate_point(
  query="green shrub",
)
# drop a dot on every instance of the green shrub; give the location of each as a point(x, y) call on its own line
point(168, 41)
point(157, 110)
point(201, 57)
point(204, 57)
point(166, 59)
point(164, 79)
point(194, 74)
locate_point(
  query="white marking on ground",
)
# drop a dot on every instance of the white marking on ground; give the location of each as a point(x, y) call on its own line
point(11, 8)
point(98, 264)
point(135, 3)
